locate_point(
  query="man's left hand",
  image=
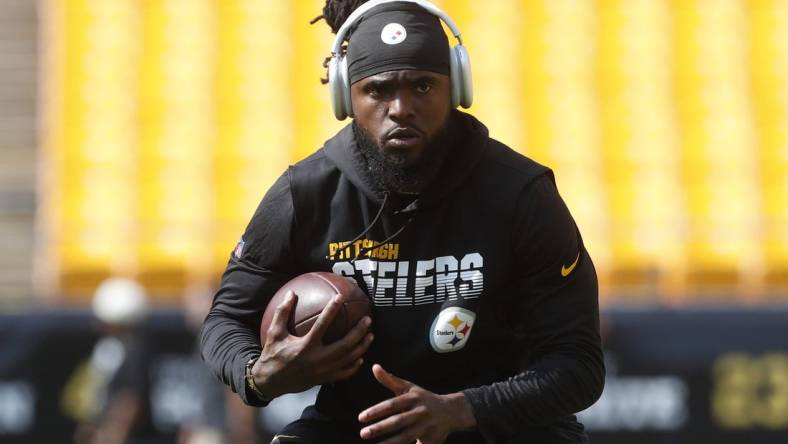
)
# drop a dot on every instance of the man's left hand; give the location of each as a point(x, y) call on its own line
point(414, 414)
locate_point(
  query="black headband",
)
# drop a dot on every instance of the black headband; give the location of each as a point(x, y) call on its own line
point(397, 36)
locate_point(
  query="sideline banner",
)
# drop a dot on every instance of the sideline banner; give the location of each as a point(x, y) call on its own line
point(693, 375)
point(688, 376)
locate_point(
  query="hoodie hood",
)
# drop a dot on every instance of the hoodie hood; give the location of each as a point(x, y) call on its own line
point(460, 160)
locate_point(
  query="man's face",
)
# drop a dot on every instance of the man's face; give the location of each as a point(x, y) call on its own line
point(402, 111)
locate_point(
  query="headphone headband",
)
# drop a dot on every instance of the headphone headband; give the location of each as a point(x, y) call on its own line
point(354, 16)
point(338, 78)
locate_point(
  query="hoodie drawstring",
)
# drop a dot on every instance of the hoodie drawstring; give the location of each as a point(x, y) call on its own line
point(374, 220)
point(363, 250)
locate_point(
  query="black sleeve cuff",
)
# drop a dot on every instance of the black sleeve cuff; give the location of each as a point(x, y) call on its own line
point(247, 395)
point(481, 412)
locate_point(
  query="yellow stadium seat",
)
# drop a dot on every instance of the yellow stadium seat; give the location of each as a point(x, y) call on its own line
point(666, 124)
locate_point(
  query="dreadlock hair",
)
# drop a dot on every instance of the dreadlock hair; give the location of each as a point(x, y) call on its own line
point(335, 13)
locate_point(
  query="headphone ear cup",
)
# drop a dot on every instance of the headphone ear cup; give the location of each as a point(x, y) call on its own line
point(335, 89)
point(465, 78)
point(344, 76)
point(455, 80)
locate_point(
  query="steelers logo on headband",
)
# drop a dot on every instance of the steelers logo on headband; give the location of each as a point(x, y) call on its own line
point(396, 36)
point(390, 35)
point(393, 33)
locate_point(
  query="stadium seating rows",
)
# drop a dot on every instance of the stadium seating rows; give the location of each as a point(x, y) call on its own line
point(666, 124)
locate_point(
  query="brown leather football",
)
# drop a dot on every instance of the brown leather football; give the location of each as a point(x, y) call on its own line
point(314, 291)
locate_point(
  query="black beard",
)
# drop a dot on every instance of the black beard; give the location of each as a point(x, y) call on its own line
point(393, 173)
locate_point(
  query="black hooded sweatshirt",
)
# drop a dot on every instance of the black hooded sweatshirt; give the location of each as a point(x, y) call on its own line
point(481, 284)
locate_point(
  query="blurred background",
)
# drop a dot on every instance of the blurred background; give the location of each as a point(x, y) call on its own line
point(138, 136)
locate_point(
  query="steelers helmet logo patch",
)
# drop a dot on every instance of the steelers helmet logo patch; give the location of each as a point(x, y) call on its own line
point(451, 329)
point(393, 34)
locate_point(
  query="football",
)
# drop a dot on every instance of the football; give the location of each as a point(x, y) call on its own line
point(314, 291)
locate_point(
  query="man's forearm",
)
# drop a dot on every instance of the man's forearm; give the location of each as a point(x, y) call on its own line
point(227, 345)
point(556, 387)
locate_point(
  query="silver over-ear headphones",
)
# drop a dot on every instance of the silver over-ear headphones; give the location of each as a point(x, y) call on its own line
point(339, 80)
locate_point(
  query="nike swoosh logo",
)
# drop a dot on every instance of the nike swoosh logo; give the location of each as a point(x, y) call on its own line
point(566, 270)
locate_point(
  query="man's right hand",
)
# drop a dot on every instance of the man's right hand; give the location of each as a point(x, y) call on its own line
point(292, 364)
